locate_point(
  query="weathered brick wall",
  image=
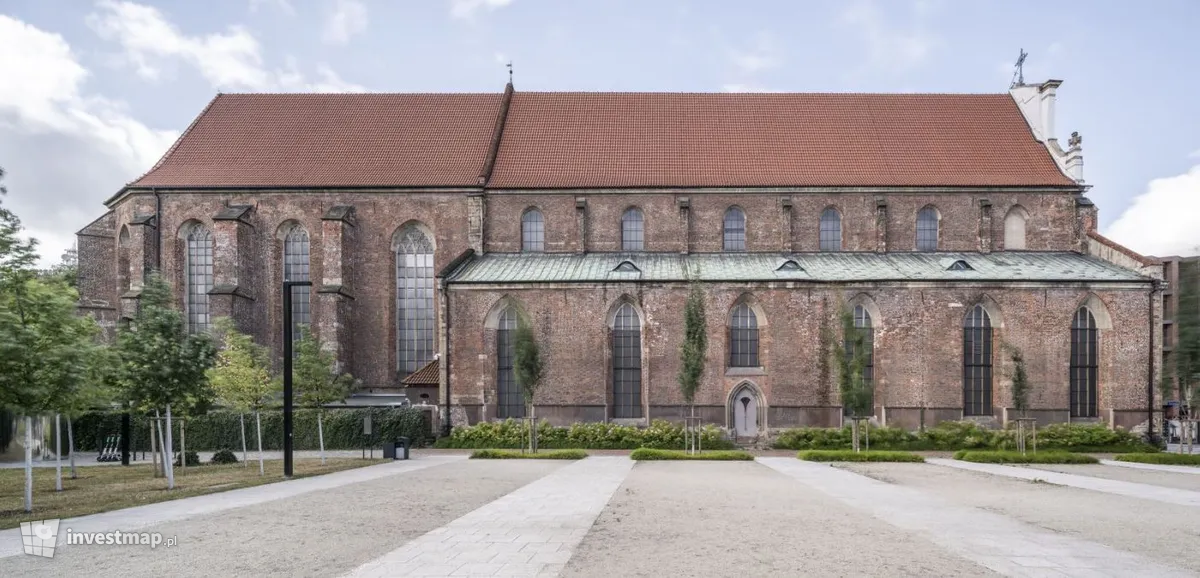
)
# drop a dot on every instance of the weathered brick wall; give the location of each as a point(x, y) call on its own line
point(1050, 227)
point(97, 279)
point(918, 343)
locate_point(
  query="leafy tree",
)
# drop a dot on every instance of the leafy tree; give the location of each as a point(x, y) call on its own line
point(241, 380)
point(1020, 381)
point(527, 369)
point(851, 362)
point(317, 379)
point(1187, 323)
point(161, 363)
point(67, 269)
point(694, 350)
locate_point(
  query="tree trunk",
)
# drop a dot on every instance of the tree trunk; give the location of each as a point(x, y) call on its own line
point(183, 444)
point(242, 419)
point(154, 442)
point(258, 426)
point(71, 447)
point(58, 452)
point(321, 436)
point(170, 453)
point(533, 429)
point(28, 464)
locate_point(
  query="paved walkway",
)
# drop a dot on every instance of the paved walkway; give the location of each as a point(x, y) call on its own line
point(130, 519)
point(89, 458)
point(991, 540)
point(1129, 489)
point(530, 532)
point(1154, 467)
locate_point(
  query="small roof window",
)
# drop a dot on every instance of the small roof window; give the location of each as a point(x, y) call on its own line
point(627, 267)
point(960, 265)
point(789, 265)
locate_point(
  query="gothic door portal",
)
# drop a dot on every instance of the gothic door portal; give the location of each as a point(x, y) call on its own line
point(745, 413)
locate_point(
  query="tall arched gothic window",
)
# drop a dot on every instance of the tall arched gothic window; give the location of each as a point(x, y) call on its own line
point(414, 299)
point(533, 231)
point(734, 231)
point(831, 230)
point(511, 401)
point(627, 363)
point(927, 229)
point(633, 230)
point(198, 279)
point(977, 362)
point(743, 337)
point(295, 268)
point(1085, 364)
point(864, 338)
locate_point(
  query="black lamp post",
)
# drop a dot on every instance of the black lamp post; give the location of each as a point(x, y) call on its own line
point(287, 373)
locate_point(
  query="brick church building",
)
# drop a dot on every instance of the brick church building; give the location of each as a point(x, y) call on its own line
point(954, 228)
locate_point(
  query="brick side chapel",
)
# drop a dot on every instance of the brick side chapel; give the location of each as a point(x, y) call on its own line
point(952, 228)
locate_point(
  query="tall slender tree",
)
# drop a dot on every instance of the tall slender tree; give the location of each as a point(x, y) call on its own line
point(694, 350)
point(318, 379)
point(241, 379)
point(527, 369)
point(161, 363)
point(850, 357)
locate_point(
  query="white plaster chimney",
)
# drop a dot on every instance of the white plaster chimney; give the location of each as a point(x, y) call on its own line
point(1049, 93)
point(1074, 162)
point(1036, 103)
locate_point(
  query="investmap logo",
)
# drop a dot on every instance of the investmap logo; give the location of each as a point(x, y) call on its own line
point(40, 538)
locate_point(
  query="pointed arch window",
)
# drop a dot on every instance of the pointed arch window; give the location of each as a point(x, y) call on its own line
point(734, 235)
point(977, 362)
point(295, 268)
point(633, 231)
point(927, 229)
point(743, 337)
point(627, 363)
point(414, 300)
point(1085, 364)
point(831, 230)
point(533, 232)
point(198, 263)
point(511, 402)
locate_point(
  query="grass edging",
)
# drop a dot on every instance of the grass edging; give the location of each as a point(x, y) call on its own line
point(853, 456)
point(650, 454)
point(1015, 457)
point(519, 455)
point(1162, 459)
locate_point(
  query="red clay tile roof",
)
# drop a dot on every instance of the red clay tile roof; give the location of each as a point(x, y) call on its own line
point(329, 140)
point(598, 140)
point(427, 376)
point(732, 140)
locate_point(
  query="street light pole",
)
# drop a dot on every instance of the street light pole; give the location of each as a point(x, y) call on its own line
point(287, 373)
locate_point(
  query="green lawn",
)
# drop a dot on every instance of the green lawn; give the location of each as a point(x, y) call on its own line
point(520, 455)
point(642, 454)
point(105, 488)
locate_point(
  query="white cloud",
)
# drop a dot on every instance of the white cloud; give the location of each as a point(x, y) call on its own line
point(230, 60)
point(467, 9)
point(762, 55)
point(1194, 154)
point(349, 18)
point(1164, 220)
point(64, 150)
point(890, 47)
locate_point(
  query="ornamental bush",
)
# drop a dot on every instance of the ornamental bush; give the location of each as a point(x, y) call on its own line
point(1013, 457)
point(1161, 458)
point(193, 459)
point(225, 456)
point(1094, 437)
point(853, 456)
point(960, 435)
point(590, 435)
point(652, 454)
point(518, 455)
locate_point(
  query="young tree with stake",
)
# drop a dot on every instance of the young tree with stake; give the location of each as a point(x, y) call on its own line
point(527, 368)
point(241, 380)
point(317, 379)
point(694, 350)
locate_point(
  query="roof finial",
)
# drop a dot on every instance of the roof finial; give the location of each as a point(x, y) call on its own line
point(509, 65)
point(1019, 71)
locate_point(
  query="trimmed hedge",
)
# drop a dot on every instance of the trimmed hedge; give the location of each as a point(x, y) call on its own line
point(853, 456)
point(517, 455)
point(651, 454)
point(1161, 458)
point(220, 429)
point(592, 435)
point(960, 435)
point(1014, 457)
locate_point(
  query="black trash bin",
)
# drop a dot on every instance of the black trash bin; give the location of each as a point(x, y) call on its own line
point(397, 450)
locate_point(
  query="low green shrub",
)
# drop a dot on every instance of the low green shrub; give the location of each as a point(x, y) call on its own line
point(193, 459)
point(225, 456)
point(518, 455)
point(511, 434)
point(967, 435)
point(1014, 457)
point(644, 454)
point(1094, 437)
point(1161, 458)
point(853, 456)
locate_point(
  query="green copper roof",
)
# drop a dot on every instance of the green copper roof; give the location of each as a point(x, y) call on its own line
point(815, 267)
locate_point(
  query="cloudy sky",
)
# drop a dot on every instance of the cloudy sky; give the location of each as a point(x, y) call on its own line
point(92, 93)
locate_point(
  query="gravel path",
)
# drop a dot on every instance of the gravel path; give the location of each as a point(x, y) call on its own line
point(1159, 531)
point(743, 519)
point(1164, 479)
point(327, 533)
